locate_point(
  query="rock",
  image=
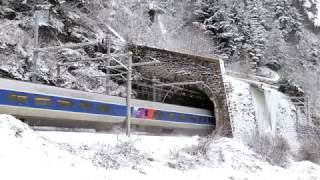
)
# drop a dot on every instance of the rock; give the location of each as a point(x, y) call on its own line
point(9, 13)
point(291, 89)
point(54, 2)
point(274, 65)
point(20, 7)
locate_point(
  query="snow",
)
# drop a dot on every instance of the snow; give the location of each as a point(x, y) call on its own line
point(262, 108)
point(171, 158)
point(317, 19)
point(282, 115)
point(43, 155)
point(314, 16)
point(242, 114)
point(24, 154)
point(262, 112)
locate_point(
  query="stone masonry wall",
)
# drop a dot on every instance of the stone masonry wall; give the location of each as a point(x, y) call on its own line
point(180, 67)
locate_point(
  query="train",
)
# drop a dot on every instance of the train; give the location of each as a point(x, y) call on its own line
point(45, 104)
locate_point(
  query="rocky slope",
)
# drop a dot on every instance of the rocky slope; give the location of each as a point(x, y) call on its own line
point(278, 34)
point(60, 23)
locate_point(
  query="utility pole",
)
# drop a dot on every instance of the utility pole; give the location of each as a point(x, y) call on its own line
point(128, 68)
point(107, 65)
point(35, 46)
point(58, 71)
point(308, 111)
point(129, 89)
point(154, 90)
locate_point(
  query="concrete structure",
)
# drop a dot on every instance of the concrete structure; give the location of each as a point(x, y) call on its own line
point(182, 67)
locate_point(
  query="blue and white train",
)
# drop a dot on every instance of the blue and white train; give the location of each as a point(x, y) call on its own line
point(34, 101)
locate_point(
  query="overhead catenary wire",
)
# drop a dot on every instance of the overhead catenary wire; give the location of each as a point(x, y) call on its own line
point(112, 57)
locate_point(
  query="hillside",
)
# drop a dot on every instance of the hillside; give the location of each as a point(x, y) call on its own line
point(270, 50)
point(280, 35)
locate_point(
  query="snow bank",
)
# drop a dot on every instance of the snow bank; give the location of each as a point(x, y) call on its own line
point(26, 155)
point(172, 157)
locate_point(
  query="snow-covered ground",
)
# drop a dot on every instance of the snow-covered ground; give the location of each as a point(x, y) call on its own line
point(26, 154)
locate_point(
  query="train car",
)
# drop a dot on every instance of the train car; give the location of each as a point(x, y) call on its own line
point(48, 103)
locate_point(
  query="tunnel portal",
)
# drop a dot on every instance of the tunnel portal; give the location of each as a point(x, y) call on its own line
point(182, 67)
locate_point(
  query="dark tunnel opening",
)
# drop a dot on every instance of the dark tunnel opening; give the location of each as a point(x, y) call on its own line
point(187, 96)
point(199, 101)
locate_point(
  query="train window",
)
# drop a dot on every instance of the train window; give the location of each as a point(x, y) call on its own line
point(193, 118)
point(42, 101)
point(64, 103)
point(103, 108)
point(12, 97)
point(204, 119)
point(171, 115)
point(22, 99)
point(18, 98)
point(159, 115)
point(182, 116)
point(85, 105)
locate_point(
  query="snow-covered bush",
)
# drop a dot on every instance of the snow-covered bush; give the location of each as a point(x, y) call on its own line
point(188, 157)
point(122, 154)
point(182, 160)
point(202, 147)
point(275, 150)
point(310, 148)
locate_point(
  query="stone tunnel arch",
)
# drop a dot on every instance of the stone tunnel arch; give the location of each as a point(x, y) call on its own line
point(181, 67)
